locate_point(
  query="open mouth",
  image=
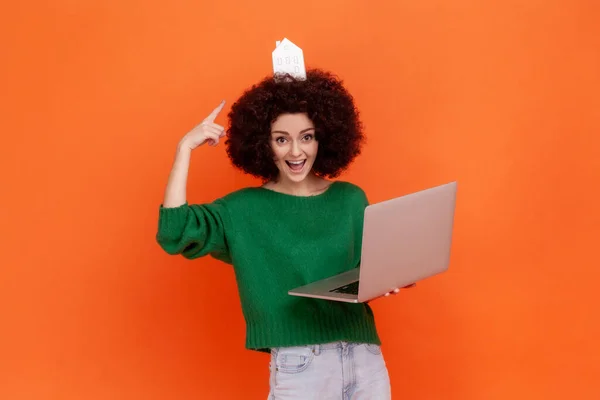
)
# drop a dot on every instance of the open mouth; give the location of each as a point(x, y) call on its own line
point(296, 166)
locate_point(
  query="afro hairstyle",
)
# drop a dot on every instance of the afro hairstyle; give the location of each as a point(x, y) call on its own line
point(321, 96)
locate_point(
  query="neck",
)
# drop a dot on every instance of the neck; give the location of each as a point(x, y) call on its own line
point(310, 185)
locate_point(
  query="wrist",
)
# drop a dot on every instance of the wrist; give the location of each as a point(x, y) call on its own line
point(183, 148)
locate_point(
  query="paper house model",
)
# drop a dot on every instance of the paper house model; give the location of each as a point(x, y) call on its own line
point(288, 58)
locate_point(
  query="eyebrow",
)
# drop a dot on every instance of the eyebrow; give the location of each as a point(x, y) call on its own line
point(302, 131)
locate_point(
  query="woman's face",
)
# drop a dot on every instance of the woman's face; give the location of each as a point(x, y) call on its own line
point(294, 146)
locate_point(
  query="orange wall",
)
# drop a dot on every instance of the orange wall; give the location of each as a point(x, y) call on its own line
point(499, 95)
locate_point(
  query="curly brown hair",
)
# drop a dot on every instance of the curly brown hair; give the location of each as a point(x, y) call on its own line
point(321, 96)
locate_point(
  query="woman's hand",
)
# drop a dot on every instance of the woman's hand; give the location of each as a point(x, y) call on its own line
point(205, 132)
point(396, 291)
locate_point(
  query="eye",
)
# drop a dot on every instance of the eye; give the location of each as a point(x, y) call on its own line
point(280, 140)
point(308, 137)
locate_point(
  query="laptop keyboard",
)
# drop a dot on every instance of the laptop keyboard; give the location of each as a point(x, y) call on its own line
point(351, 288)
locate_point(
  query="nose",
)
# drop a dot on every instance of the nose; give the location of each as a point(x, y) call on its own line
point(295, 150)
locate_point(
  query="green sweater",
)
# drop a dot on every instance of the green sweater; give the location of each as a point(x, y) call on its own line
point(277, 242)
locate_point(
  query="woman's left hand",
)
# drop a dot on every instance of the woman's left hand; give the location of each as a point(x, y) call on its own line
point(395, 291)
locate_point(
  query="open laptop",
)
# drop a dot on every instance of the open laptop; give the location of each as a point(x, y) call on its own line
point(405, 240)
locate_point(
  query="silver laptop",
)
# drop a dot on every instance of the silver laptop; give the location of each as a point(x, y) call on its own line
point(405, 240)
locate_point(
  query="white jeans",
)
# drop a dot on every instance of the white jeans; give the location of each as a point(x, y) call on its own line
point(333, 371)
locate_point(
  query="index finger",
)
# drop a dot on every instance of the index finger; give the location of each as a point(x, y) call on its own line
point(213, 115)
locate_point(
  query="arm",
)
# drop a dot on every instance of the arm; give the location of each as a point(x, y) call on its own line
point(207, 131)
point(192, 230)
point(175, 193)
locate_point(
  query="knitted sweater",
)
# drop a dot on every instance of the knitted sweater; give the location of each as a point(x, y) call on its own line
point(277, 242)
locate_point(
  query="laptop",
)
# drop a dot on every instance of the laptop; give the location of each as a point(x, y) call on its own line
point(405, 240)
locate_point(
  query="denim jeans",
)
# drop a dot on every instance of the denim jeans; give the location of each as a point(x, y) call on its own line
point(333, 371)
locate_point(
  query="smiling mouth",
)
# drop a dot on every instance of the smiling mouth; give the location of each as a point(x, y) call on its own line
point(296, 166)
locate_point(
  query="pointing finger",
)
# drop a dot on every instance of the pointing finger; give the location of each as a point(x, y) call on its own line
point(213, 125)
point(213, 115)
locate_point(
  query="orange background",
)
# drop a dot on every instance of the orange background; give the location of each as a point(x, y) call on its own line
point(499, 95)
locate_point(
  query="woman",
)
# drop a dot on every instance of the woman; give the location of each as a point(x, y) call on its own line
point(297, 228)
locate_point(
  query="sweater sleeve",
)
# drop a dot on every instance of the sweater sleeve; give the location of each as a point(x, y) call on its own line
point(194, 230)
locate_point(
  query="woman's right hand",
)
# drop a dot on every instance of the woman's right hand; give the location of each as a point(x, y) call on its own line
point(205, 132)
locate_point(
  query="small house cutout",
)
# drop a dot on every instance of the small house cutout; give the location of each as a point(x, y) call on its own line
point(288, 58)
